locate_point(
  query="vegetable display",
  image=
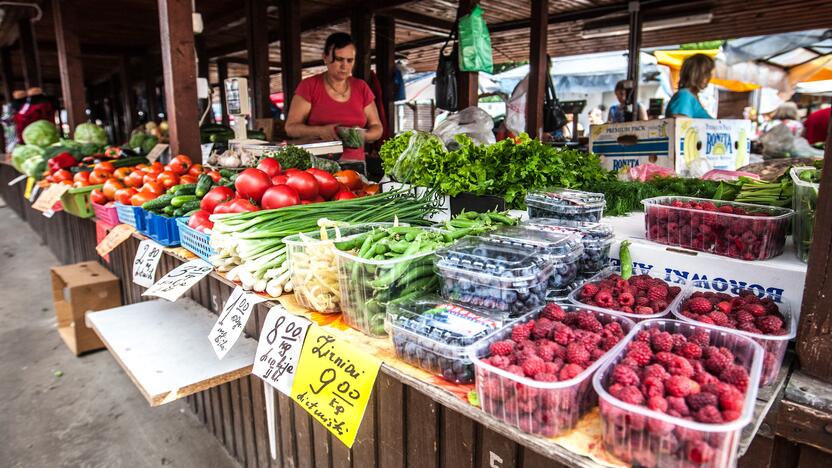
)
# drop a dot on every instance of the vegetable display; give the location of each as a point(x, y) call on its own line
point(40, 133)
point(90, 133)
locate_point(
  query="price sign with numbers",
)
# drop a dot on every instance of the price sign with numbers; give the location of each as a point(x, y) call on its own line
point(157, 151)
point(116, 236)
point(52, 195)
point(179, 280)
point(232, 320)
point(281, 339)
point(146, 262)
point(334, 382)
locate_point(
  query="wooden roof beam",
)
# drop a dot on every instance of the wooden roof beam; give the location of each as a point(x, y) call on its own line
point(417, 19)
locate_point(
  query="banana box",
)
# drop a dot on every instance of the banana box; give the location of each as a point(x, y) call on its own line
point(678, 143)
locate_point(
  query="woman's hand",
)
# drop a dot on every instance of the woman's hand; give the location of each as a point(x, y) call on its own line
point(327, 132)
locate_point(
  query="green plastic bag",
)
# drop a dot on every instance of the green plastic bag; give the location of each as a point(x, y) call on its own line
point(474, 43)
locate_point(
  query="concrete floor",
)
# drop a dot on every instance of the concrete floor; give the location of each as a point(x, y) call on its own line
point(92, 415)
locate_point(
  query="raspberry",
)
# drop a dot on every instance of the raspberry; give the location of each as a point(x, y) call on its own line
point(736, 376)
point(719, 318)
point(626, 299)
point(655, 371)
point(613, 329)
point(769, 324)
point(657, 293)
point(680, 366)
point(589, 291)
point(699, 452)
point(624, 375)
point(699, 305)
point(576, 353)
point(604, 298)
point(700, 337)
point(533, 366)
point(709, 415)
point(757, 310)
point(643, 336)
point(554, 312)
point(717, 362)
point(662, 342)
point(522, 331)
point(587, 321)
point(609, 342)
point(570, 371)
point(546, 350)
point(643, 310)
point(657, 403)
point(701, 400)
point(744, 316)
point(664, 358)
point(543, 328)
point(678, 405)
point(631, 394)
point(544, 377)
point(589, 340)
point(640, 352)
point(500, 362)
point(563, 335)
point(681, 386)
point(729, 415)
point(502, 348)
point(731, 399)
point(516, 370)
point(691, 351)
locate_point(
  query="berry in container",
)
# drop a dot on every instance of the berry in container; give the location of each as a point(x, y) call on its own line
point(729, 229)
point(563, 248)
point(437, 335)
point(596, 238)
point(678, 394)
point(573, 205)
point(536, 374)
point(770, 324)
point(642, 296)
point(488, 274)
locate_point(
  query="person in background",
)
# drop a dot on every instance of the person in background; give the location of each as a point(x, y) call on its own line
point(696, 73)
point(596, 115)
point(37, 107)
point(334, 98)
point(785, 114)
point(617, 111)
point(817, 126)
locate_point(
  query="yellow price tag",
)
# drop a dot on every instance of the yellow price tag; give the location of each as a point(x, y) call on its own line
point(115, 237)
point(333, 383)
point(30, 184)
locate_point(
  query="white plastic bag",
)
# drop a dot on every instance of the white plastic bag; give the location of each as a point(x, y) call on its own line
point(516, 108)
point(473, 122)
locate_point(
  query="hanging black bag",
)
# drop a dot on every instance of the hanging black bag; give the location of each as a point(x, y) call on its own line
point(445, 81)
point(554, 118)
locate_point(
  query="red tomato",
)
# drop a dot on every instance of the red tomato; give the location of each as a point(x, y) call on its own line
point(223, 208)
point(304, 183)
point(252, 183)
point(318, 199)
point(270, 166)
point(80, 183)
point(66, 182)
point(156, 166)
point(290, 170)
point(98, 197)
point(372, 189)
point(215, 175)
point(138, 199)
point(187, 179)
point(214, 197)
point(153, 188)
point(167, 179)
point(180, 164)
point(123, 195)
point(344, 195)
point(236, 205)
point(279, 180)
point(349, 178)
point(195, 170)
point(150, 176)
point(62, 175)
point(98, 177)
point(81, 176)
point(279, 196)
point(110, 188)
point(105, 166)
point(121, 173)
point(200, 221)
point(134, 179)
point(327, 184)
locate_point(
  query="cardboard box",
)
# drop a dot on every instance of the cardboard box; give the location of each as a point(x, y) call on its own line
point(79, 288)
point(672, 143)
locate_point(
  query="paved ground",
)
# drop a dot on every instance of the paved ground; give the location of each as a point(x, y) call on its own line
point(92, 415)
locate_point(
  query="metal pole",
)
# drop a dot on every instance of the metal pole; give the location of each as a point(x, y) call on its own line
point(634, 51)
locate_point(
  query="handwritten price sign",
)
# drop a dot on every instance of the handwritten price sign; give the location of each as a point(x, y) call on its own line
point(334, 382)
point(232, 320)
point(114, 238)
point(52, 195)
point(145, 263)
point(281, 340)
point(157, 151)
point(179, 280)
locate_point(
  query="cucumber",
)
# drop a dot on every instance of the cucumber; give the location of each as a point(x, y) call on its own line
point(187, 190)
point(158, 202)
point(191, 205)
point(203, 185)
point(227, 173)
point(180, 200)
point(131, 161)
point(176, 188)
point(168, 211)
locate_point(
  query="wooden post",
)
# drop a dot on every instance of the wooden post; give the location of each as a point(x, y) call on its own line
point(814, 337)
point(6, 71)
point(633, 56)
point(290, 54)
point(69, 62)
point(467, 83)
point(222, 73)
point(150, 90)
point(29, 53)
point(361, 31)
point(538, 68)
point(179, 68)
point(386, 63)
point(128, 97)
point(257, 36)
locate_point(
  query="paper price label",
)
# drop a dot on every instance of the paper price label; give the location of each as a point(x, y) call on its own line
point(157, 151)
point(114, 238)
point(334, 382)
point(17, 179)
point(278, 351)
point(52, 195)
point(232, 320)
point(179, 280)
point(30, 184)
point(146, 262)
point(206, 150)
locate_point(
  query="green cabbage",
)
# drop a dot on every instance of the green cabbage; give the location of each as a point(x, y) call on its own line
point(149, 142)
point(41, 133)
point(90, 133)
point(23, 152)
point(33, 167)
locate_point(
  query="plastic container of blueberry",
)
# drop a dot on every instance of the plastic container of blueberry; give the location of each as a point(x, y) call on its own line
point(774, 346)
point(758, 233)
point(573, 205)
point(485, 273)
point(643, 437)
point(596, 238)
point(575, 296)
point(437, 335)
point(557, 405)
point(563, 248)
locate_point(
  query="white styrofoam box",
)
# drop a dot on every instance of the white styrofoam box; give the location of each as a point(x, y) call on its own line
point(443, 215)
point(781, 278)
point(672, 143)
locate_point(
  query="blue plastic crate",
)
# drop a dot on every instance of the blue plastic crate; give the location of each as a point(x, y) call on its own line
point(162, 230)
point(127, 214)
point(195, 241)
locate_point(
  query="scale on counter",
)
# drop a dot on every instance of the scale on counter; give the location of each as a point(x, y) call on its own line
point(238, 105)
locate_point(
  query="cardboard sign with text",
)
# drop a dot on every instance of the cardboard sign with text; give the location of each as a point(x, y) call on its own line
point(179, 280)
point(115, 237)
point(278, 352)
point(46, 201)
point(232, 320)
point(146, 262)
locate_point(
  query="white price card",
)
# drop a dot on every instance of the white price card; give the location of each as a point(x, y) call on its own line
point(17, 179)
point(52, 195)
point(232, 320)
point(146, 262)
point(157, 151)
point(179, 280)
point(206, 150)
point(281, 340)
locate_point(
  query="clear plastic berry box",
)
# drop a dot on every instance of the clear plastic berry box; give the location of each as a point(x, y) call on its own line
point(596, 238)
point(576, 298)
point(757, 233)
point(543, 408)
point(804, 202)
point(642, 437)
point(368, 285)
point(563, 248)
point(774, 345)
point(568, 204)
point(437, 335)
point(485, 273)
point(314, 267)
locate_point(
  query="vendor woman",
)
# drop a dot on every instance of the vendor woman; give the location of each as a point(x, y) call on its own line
point(334, 98)
point(697, 71)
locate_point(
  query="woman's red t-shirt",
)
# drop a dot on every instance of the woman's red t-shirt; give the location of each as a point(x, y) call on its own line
point(328, 111)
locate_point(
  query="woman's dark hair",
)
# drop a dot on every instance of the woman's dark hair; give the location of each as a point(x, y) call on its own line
point(335, 41)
